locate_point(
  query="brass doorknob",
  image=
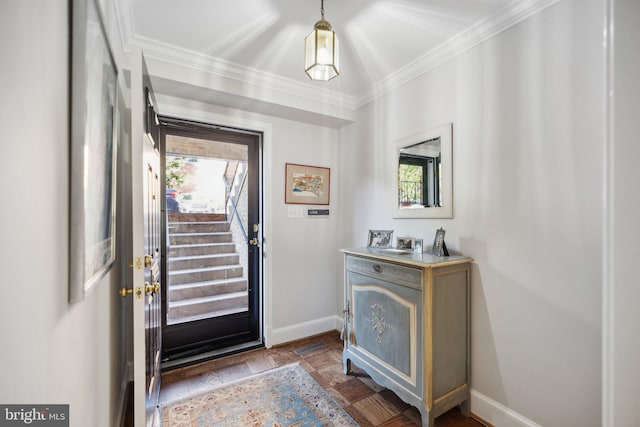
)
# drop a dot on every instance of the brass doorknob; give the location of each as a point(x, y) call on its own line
point(152, 289)
point(124, 291)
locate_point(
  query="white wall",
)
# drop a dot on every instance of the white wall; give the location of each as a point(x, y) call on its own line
point(52, 352)
point(531, 220)
point(300, 264)
point(621, 290)
point(527, 113)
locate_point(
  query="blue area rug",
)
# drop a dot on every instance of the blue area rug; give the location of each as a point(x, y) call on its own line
point(287, 397)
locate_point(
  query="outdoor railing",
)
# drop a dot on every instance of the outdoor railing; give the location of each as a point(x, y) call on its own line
point(410, 193)
point(234, 192)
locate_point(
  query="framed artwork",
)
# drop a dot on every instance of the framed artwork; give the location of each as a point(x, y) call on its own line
point(405, 242)
point(439, 248)
point(380, 238)
point(93, 151)
point(307, 185)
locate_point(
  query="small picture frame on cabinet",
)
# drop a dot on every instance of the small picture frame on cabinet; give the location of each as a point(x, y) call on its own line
point(439, 248)
point(405, 242)
point(380, 238)
point(417, 246)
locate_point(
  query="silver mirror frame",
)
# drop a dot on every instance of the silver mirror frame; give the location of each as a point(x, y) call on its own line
point(445, 133)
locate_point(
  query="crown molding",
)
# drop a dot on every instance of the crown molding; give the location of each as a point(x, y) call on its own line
point(512, 14)
point(125, 22)
point(252, 78)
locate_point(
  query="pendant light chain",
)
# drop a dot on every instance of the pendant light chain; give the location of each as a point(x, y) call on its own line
point(322, 9)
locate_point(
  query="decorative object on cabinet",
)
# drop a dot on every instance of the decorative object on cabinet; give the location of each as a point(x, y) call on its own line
point(407, 325)
point(405, 242)
point(307, 185)
point(417, 246)
point(379, 238)
point(93, 151)
point(422, 174)
point(439, 247)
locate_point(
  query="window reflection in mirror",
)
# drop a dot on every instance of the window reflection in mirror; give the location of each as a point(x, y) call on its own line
point(419, 175)
point(422, 174)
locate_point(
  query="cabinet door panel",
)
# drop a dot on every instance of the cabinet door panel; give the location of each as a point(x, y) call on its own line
point(385, 326)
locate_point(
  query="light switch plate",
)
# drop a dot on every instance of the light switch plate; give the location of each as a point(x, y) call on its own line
point(296, 211)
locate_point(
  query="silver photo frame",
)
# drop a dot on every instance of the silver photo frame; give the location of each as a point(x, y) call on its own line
point(380, 238)
point(405, 243)
point(439, 247)
point(417, 246)
point(93, 151)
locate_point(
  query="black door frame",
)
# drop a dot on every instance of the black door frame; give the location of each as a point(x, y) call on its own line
point(183, 343)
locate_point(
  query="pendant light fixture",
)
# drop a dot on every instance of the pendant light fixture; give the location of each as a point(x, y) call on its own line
point(321, 61)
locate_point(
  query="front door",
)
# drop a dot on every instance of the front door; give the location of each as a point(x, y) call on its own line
point(211, 300)
point(146, 240)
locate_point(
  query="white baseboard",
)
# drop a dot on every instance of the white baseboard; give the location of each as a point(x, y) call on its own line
point(302, 330)
point(496, 413)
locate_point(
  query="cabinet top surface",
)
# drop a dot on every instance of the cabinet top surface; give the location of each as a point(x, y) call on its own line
point(412, 258)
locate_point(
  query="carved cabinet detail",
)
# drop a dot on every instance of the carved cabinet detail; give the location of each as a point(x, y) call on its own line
point(407, 325)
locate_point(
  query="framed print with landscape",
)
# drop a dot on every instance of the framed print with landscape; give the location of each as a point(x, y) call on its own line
point(93, 151)
point(306, 185)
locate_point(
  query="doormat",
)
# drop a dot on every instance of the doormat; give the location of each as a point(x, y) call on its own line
point(286, 396)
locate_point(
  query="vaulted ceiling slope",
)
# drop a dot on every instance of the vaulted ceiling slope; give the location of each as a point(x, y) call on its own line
point(249, 53)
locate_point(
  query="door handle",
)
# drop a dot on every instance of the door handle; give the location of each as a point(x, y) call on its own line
point(151, 289)
point(124, 291)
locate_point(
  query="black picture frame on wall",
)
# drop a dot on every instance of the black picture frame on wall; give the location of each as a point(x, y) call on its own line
point(93, 151)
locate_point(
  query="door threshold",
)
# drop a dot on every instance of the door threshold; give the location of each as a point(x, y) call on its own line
point(214, 354)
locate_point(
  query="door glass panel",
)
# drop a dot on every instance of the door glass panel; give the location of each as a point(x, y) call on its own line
point(207, 229)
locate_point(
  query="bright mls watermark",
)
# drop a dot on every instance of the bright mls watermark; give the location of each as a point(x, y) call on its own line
point(34, 415)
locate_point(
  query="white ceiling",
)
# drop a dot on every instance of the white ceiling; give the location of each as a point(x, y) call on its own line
point(382, 42)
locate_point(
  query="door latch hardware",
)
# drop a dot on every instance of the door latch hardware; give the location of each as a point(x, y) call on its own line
point(254, 241)
point(152, 289)
point(124, 291)
point(147, 260)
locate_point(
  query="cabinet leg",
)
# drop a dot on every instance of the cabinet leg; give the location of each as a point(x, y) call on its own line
point(346, 366)
point(427, 418)
point(465, 408)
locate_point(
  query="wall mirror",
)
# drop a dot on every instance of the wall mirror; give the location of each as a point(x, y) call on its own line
point(422, 175)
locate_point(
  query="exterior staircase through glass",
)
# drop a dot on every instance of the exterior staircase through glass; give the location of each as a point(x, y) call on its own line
point(204, 272)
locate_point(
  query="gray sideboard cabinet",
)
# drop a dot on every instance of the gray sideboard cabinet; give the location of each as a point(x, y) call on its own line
point(406, 320)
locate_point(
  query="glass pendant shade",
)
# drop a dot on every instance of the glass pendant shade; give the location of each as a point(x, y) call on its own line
point(321, 59)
